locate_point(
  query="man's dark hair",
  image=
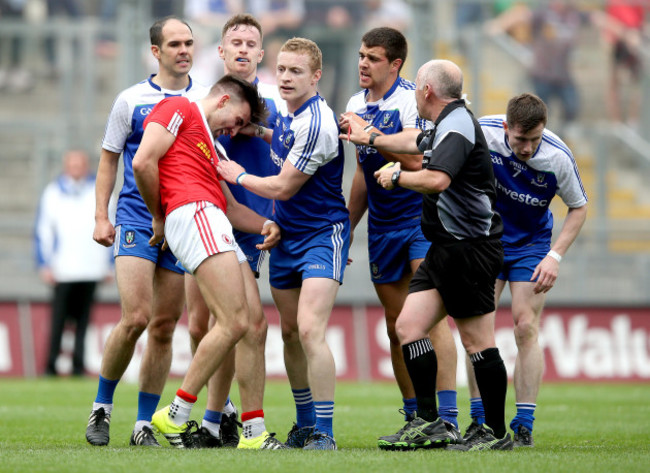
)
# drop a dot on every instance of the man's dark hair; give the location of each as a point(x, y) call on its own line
point(244, 90)
point(526, 111)
point(242, 19)
point(393, 42)
point(155, 32)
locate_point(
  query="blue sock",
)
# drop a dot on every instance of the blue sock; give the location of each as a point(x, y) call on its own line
point(305, 413)
point(476, 410)
point(447, 408)
point(105, 390)
point(324, 416)
point(525, 416)
point(410, 406)
point(147, 404)
point(212, 416)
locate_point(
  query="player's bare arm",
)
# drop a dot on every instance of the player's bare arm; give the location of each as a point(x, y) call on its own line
point(260, 131)
point(359, 132)
point(280, 187)
point(104, 232)
point(156, 141)
point(424, 181)
point(547, 270)
point(247, 220)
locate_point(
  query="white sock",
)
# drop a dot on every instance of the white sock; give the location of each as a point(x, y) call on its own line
point(212, 427)
point(253, 427)
point(108, 408)
point(229, 408)
point(179, 411)
point(141, 423)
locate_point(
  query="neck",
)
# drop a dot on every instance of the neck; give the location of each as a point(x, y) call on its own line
point(378, 92)
point(248, 78)
point(171, 82)
point(295, 105)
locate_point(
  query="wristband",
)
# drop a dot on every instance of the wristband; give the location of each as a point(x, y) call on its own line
point(240, 178)
point(260, 131)
point(555, 255)
point(267, 223)
point(371, 141)
point(367, 128)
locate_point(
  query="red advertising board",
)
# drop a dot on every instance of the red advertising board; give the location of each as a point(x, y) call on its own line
point(580, 344)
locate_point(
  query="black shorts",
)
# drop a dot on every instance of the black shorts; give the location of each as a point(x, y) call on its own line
point(464, 273)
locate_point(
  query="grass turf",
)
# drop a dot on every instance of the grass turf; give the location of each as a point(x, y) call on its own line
point(580, 428)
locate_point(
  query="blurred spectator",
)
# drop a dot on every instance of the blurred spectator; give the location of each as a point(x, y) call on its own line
point(13, 76)
point(58, 9)
point(622, 24)
point(554, 28)
point(207, 17)
point(330, 25)
point(278, 17)
point(68, 259)
point(393, 13)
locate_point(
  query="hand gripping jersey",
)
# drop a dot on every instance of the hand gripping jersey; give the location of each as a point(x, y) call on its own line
point(123, 134)
point(254, 154)
point(525, 189)
point(309, 139)
point(187, 171)
point(397, 208)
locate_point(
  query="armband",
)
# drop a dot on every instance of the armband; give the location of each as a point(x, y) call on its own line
point(555, 255)
point(240, 178)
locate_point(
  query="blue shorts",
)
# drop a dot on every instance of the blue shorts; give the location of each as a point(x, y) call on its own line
point(320, 255)
point(134, 241)
point(390, 253)
point(255, 257)
point(519, 263)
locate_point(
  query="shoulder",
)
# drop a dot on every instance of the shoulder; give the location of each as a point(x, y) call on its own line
point(356, 102)
point(458, 121)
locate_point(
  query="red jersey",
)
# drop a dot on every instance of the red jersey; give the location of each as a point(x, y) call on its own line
point(188, 170)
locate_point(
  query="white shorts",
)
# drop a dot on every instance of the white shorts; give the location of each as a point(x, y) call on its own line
point(197, 231)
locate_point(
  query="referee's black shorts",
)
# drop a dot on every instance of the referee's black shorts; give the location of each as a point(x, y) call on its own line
point(464, 273)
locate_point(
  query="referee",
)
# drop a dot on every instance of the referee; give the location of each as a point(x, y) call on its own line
point(458, 274)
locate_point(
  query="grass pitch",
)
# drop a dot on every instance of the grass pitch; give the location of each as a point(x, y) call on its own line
point(580, 428)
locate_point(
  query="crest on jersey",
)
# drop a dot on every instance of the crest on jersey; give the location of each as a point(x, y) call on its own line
point(387, 116)
point(288, 138)
point(539, 180)
point(129, 237)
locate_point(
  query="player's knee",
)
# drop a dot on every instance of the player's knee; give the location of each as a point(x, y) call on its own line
point(259, 327)
point(134, 324)
point(526, 330)
point(392, 332)
point(161, 330)
point(290, 334)
point(197, 332)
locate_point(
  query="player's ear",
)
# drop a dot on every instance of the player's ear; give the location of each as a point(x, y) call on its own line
point(220, 50)
point(155, 50)
point(260, 56)
point(223, 100)
point(317, 75)
point(396, 64)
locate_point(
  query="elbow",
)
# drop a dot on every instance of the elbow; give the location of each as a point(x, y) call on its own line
point(138, 166)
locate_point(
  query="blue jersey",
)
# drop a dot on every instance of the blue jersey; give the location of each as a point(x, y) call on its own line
point(397, 208)
point(124, 133)
point(525, 189)
point(309, 139)
point(253, 153)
